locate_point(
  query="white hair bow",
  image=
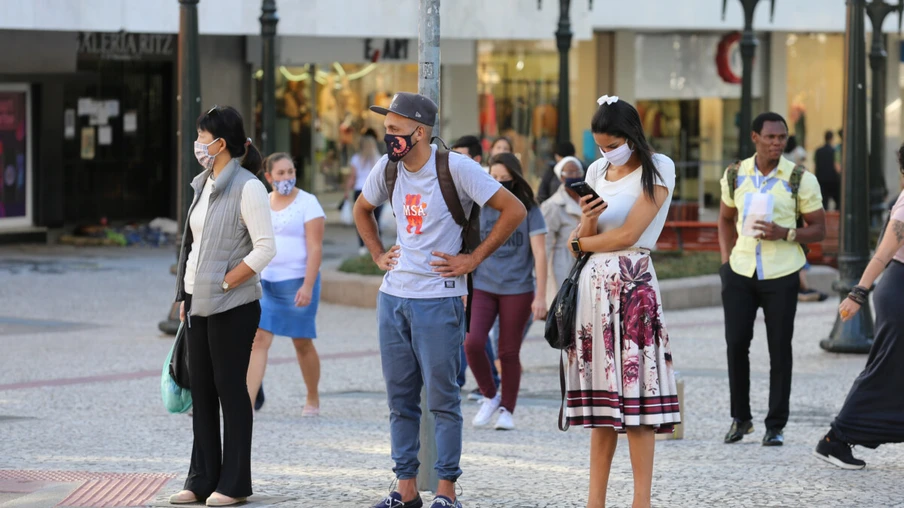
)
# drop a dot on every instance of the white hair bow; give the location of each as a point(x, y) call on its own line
point(607, 100)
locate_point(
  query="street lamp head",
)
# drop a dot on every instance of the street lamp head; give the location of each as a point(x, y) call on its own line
point(743, 2)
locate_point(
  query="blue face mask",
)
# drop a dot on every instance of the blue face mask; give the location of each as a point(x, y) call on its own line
point(284, 187)
point(569, 181)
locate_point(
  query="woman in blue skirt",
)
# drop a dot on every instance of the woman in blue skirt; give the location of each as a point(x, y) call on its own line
point(291, 282)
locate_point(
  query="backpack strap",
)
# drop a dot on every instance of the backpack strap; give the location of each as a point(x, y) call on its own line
point(391, 174)
point(797, 175)
point(731, 174)
point(470, 234)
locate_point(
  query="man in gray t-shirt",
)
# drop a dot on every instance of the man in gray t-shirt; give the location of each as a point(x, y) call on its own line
point(420, 310)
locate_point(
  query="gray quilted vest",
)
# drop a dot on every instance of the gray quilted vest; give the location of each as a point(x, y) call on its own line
point(224, 245)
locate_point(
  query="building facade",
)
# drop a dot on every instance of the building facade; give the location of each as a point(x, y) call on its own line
point(88, 113)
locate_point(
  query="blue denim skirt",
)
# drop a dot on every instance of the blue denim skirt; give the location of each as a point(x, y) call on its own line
point(280, 316)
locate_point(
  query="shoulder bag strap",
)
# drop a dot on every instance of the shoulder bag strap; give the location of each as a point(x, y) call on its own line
point(391, 174)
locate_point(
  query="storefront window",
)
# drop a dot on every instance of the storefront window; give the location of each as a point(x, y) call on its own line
point(519, 91)
point(815, 70)
point(322, 111)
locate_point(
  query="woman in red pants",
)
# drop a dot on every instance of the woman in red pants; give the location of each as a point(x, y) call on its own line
point(505, 286)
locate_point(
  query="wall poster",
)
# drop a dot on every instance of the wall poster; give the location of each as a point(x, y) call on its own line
point(15, 156)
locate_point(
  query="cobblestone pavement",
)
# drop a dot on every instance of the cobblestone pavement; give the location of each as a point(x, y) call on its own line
point(79, 391)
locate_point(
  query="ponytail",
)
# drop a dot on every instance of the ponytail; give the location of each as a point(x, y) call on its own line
point(252, 159)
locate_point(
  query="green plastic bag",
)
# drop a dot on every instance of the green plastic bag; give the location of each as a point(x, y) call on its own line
point(175, 398)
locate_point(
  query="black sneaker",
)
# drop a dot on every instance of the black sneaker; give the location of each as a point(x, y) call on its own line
point(394, 500)
point(837, 452)
point(738, 430)
point(259, 400)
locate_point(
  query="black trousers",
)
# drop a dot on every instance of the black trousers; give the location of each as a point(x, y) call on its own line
point(741, 297)
point(219, 349)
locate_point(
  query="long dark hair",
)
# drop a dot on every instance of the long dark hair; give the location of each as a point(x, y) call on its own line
point(226, 123)
point(620, 119)
point(521, 189)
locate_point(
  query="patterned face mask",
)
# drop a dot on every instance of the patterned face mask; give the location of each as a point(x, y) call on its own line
point(203, 155)
point(397, 147)
point(284, 187)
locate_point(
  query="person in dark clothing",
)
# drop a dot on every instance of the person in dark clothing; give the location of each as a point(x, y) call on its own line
point(827, 173)
point(550, 182)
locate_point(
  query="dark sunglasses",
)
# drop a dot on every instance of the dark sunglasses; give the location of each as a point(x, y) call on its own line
point(214, 109)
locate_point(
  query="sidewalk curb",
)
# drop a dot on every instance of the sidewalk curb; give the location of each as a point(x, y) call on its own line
point(677, 294)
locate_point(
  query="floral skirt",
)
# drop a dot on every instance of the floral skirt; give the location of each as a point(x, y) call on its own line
point(619, 369)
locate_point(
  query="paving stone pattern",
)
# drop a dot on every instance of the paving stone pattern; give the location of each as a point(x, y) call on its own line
point(102, 410)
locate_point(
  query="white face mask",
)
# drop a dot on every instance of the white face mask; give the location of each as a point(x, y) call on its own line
point(620, 156)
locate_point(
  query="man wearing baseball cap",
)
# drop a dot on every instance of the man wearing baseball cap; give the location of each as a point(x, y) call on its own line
point(420, 307)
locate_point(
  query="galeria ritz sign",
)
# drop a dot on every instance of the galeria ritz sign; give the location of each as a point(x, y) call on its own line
point(126, 46)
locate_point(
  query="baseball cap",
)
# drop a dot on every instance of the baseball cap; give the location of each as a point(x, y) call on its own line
point(411, 105)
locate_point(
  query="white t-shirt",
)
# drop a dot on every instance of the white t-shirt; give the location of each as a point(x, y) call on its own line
point(255, 210)
point(424, 223)
point(362, 168)
point(291, 261)
point(622, 194)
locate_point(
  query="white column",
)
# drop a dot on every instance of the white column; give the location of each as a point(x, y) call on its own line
point(625, 65)
point(460, 114)
point(778, 73)
point(894, 120)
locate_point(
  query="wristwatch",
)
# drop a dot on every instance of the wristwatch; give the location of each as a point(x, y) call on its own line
point(225, 286)
point(576, 245)
point(792, 235)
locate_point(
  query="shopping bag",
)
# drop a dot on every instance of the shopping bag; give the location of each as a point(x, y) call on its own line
point(178, 368)
point(345, 214)
point(175, 398)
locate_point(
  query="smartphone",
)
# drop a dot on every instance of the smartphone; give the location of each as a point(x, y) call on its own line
point(584, 189)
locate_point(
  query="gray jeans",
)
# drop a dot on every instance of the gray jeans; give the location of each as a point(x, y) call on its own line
point(420, 343)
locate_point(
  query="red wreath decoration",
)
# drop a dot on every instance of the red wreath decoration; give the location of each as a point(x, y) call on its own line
point(723, 58)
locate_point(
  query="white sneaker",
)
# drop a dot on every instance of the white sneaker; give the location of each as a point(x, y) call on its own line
point(487, 408)
point(504, 421)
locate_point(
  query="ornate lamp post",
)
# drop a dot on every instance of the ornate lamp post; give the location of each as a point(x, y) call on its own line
point(748, 51)
point(856, 335)
point(877, 10)
point(563, 42)
point(189, 100)
point(268, 19)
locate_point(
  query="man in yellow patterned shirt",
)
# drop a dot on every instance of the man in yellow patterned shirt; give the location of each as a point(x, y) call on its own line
point(764, 199)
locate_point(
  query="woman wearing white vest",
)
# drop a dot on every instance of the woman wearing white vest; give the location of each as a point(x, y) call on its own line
point(228, 240)
point(291, 282)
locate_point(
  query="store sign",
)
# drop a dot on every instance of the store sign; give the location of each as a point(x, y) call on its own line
point(126, 46)
point(14, 188)
point(388, 49)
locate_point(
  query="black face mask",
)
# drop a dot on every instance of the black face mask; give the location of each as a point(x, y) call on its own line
point(397, 147)
point(508, 185)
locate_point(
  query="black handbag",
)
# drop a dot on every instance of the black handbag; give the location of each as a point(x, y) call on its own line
point(560, 323)
point(178, 367)
point(562, 313)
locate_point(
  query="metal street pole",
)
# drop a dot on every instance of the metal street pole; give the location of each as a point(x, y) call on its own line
point(563, 42)
point(189, 100)
point(856, 335)
point(268, 19)
point(877, 10)
point(748, 52)
point(428, 84)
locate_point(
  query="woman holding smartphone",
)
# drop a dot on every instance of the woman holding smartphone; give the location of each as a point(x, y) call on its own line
point(619, 374)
